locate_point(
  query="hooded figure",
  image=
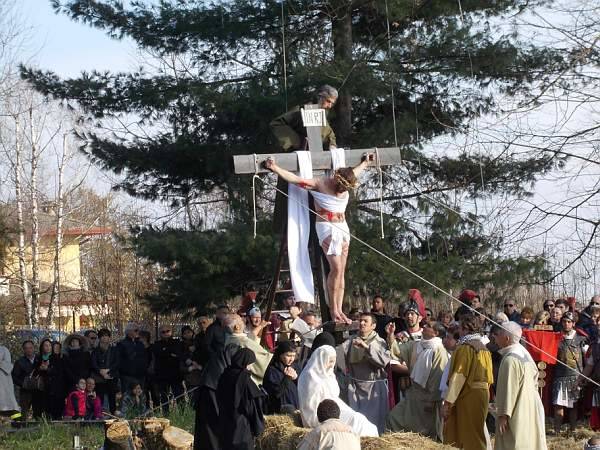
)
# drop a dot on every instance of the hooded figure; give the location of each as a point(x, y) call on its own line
point(316, 383)
point(77, 360)
point(324, 338)
point(240, 404)
point(281, 378)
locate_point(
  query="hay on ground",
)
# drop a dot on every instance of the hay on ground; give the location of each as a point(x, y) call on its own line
point(283, 433)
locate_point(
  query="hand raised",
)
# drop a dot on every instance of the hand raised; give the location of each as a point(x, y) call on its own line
point(390, 328)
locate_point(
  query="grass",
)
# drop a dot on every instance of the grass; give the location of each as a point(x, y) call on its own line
point(56, 436)
point(52, 436)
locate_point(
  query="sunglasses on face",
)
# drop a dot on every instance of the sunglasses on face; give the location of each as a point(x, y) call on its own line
point(165, 331)
point(508, 306)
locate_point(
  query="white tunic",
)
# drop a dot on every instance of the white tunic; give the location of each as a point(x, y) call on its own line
point(316, 383)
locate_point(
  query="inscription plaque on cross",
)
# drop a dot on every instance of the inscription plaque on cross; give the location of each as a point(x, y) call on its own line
point(313, 119)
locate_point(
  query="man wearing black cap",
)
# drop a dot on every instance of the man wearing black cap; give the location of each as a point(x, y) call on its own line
point(412, 321)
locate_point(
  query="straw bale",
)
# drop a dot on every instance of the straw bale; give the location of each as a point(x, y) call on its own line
point(283, 433)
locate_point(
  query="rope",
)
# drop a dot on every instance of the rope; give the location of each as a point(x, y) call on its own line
point(380, 192)
point(389, 39)
point(283, 50)
point(433, 285)
point(254, 178)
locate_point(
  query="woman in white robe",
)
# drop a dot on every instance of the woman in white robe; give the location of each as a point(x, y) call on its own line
point(316, 383)
point(8, 401)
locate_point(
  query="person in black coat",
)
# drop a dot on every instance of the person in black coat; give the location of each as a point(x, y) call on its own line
point(190, 369)
point(22, 368)
point(206, 431)
point(56, 387)
point(77, 359)
point(50, 367)
point(240, 404)
point(214, 340)
point(133, 359)
point(166, 355)
point(281, 379)
point(105, 369)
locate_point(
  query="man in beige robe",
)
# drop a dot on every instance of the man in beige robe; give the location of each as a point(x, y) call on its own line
point(519, 410)
point(331, 433)
point(419, 411)
point(239, 337)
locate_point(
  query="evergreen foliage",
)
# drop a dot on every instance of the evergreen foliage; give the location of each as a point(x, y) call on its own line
point(226, 83)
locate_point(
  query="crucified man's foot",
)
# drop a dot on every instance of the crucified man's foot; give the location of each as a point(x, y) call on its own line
point(345, 318)
point(336, 317)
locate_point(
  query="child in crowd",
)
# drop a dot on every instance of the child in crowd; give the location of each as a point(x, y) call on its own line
point(134, 402)
point(93, 404)
point(76, 402)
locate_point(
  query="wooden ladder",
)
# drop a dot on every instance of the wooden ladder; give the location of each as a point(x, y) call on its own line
point(319, 266)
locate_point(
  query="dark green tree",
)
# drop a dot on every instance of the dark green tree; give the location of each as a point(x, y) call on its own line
point(221, 77)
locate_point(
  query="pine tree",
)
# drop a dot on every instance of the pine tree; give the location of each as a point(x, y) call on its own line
point(447, 64)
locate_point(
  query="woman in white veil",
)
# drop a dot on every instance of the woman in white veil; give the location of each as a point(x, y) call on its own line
point(317, 382)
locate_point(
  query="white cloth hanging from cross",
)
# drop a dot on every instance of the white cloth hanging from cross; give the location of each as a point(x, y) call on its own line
point(298, 228)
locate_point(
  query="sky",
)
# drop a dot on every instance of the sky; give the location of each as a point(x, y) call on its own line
point(59, 44)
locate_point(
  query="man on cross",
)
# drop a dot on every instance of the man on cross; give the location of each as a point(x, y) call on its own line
point(331, 198)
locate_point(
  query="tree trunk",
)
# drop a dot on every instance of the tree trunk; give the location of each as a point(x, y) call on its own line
point(118, 436)
point(35, 231)
point(20, 225)
point(177, 439)
point(341, 33)
point(55, 294)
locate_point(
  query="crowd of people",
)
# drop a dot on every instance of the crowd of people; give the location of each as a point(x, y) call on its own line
point(457, 378)
point(91, 376)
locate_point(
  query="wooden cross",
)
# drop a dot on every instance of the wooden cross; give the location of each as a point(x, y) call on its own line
point(313, 118)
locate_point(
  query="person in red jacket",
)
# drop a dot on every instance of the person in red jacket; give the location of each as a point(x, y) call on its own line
point(76, 400)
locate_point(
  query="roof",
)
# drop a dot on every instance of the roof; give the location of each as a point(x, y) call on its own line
point(47, 224)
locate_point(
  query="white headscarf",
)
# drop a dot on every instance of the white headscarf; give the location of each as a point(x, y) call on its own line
point(423, 353)
point(317, 383)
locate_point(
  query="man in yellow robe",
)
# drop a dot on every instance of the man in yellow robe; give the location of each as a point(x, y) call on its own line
point(519, 410)
point(466, 403)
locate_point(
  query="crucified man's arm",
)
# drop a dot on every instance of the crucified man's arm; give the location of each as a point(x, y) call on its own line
point(367, 157)
point(307, 183)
